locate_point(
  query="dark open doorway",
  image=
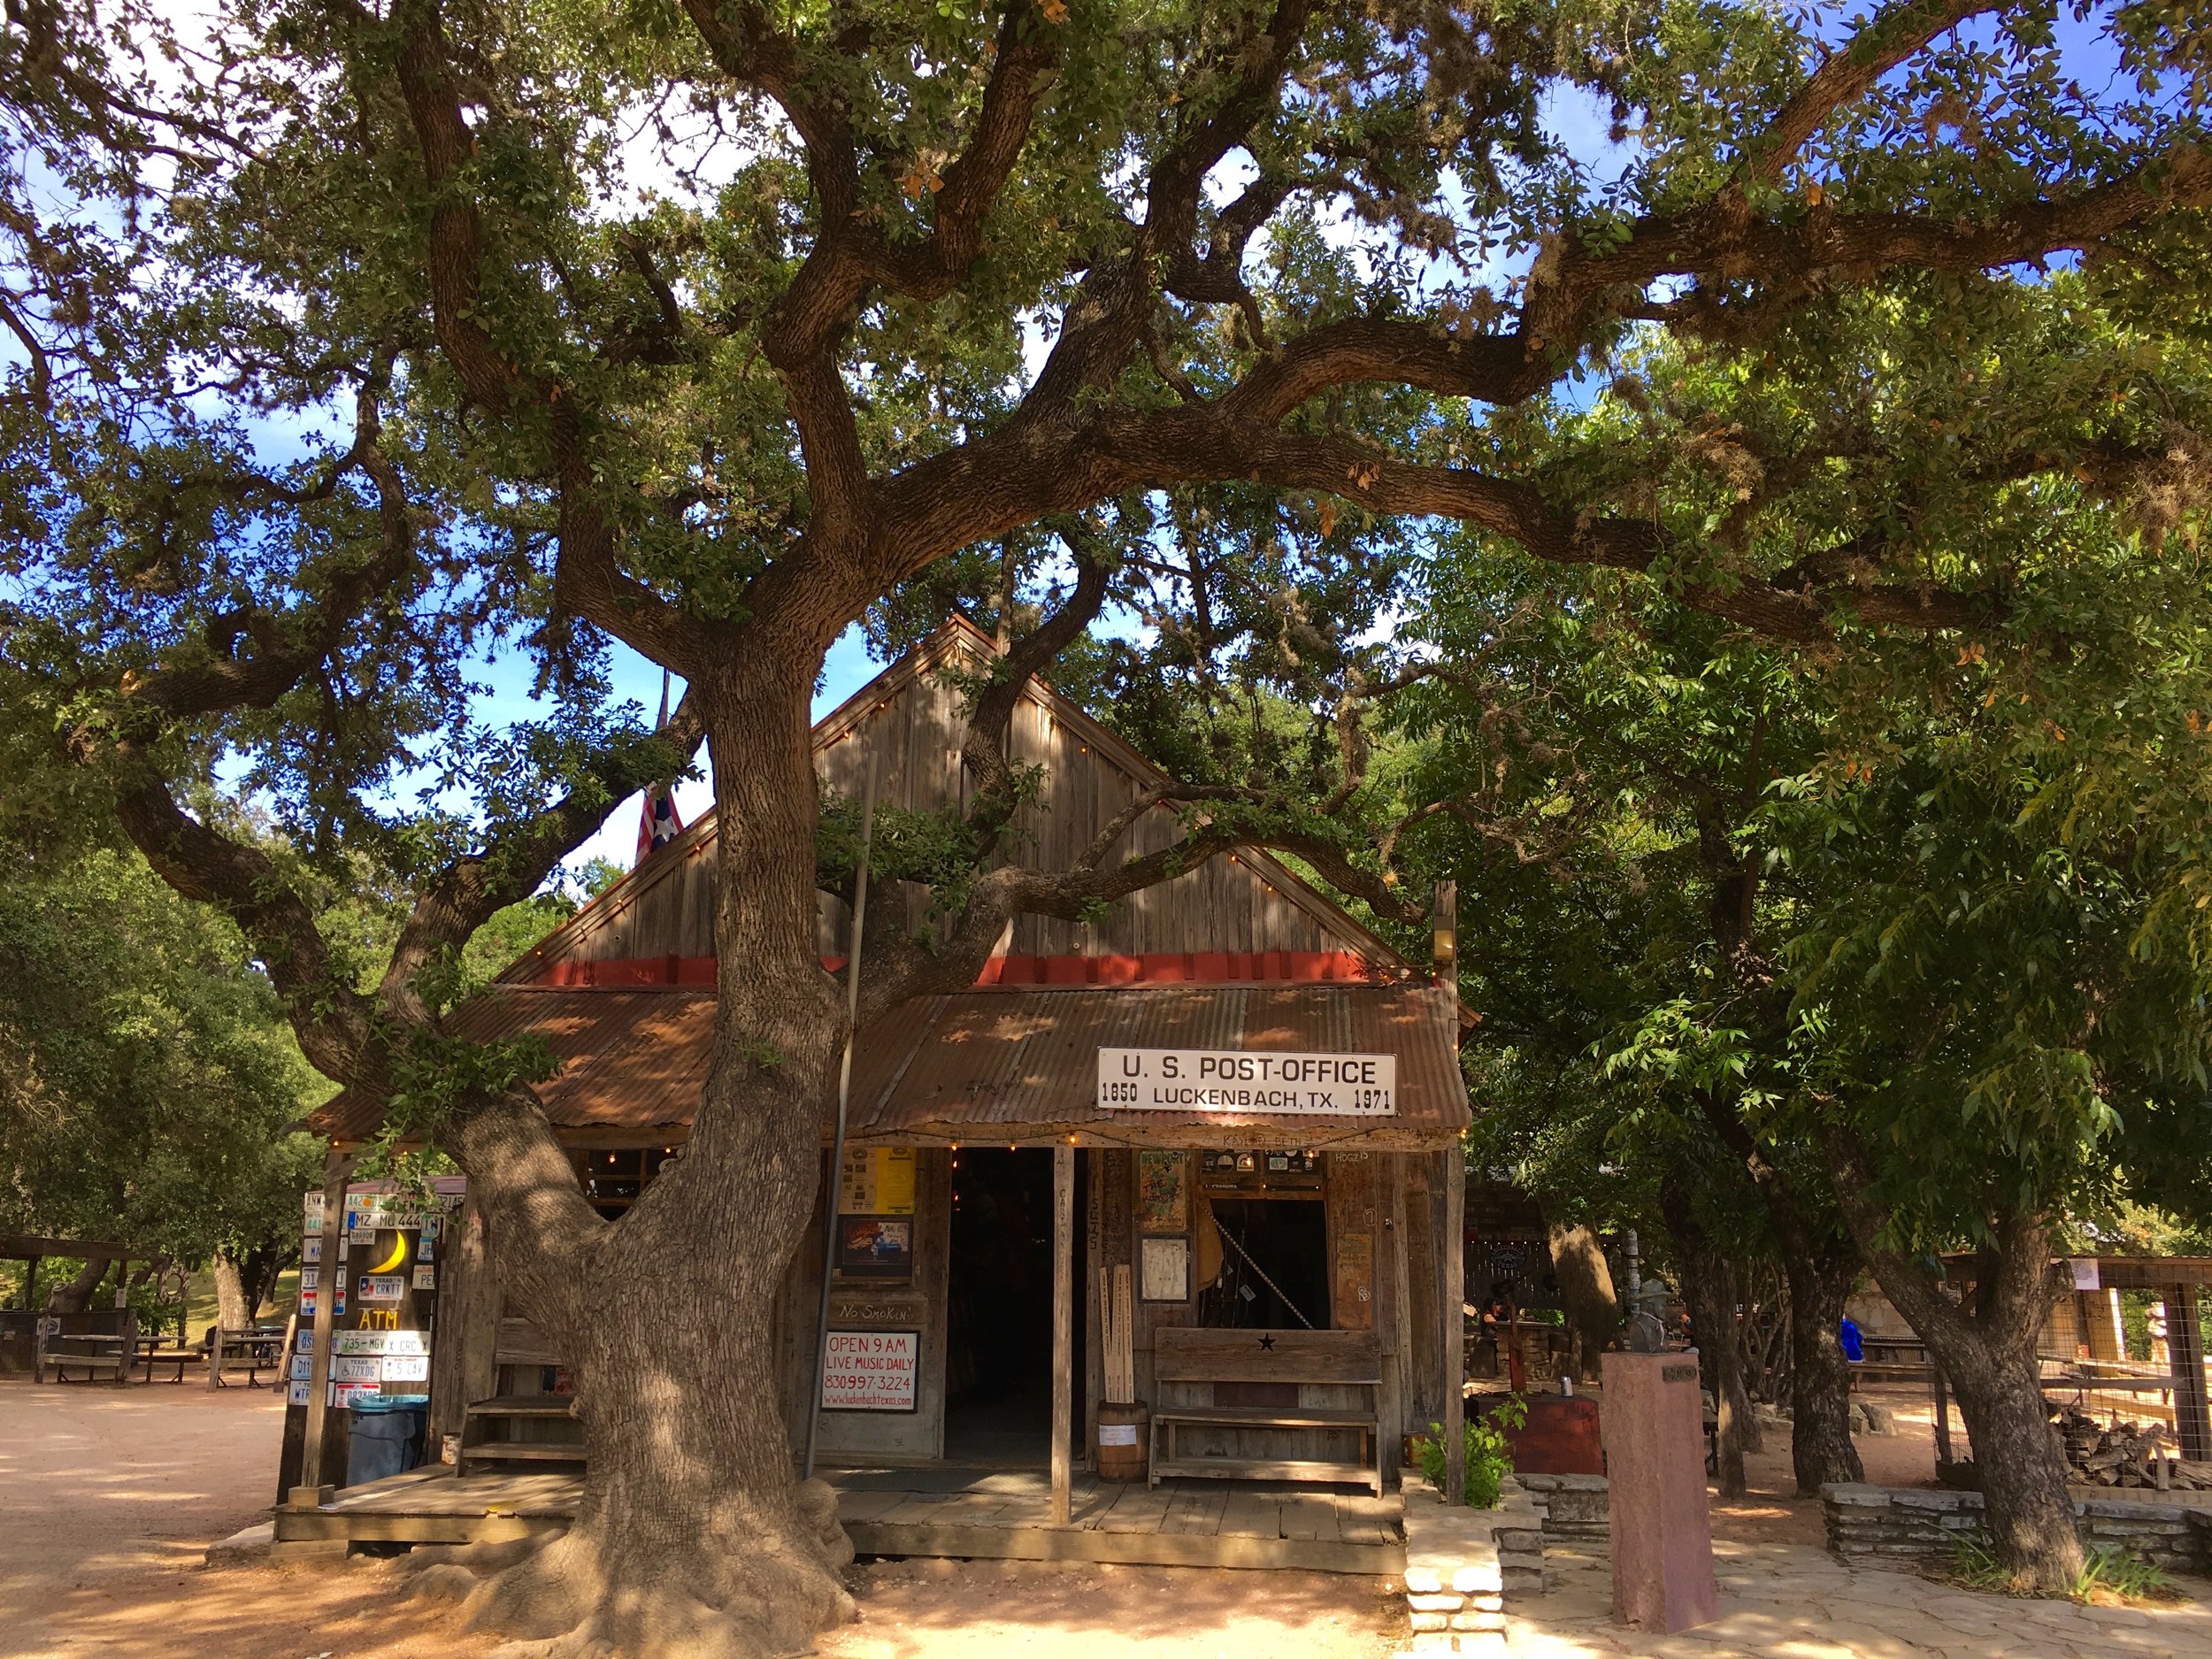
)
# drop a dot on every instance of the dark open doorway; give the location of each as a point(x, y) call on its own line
point(998, 1357)
point(1274, 1265)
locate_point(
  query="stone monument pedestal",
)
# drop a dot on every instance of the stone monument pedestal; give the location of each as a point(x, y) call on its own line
point(1653, 1430)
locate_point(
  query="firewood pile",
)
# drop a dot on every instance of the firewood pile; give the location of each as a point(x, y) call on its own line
point(2126, 1454)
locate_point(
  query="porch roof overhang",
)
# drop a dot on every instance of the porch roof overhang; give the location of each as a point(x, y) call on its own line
point(1013, 1063)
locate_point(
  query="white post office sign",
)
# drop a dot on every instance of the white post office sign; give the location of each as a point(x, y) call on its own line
point(1244, 1080)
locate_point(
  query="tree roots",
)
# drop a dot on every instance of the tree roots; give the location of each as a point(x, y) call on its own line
point(749, 1592)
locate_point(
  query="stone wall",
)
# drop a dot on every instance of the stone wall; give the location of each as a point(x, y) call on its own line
point(1913, 1525)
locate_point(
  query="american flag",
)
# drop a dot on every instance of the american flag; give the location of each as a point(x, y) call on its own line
point(660, 823)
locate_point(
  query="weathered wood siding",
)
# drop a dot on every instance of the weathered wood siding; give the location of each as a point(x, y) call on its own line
point(916, 729)
point(1358, 1194)
point(915, 1304)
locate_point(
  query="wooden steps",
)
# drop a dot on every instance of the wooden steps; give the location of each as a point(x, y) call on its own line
point(523, 1452)
point(507, 1430)
point(522, 1406)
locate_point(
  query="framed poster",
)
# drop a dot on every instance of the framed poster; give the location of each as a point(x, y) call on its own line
point(1163, 1191)
point(876, 1247)
point(1163, 1270)
point(872, 1371)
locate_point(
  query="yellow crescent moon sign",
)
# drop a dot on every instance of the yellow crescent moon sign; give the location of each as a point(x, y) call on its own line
point(399, 1255)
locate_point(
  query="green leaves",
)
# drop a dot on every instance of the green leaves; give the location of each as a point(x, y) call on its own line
point(147, 1082)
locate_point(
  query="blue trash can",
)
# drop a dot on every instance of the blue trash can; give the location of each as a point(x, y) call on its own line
point(387, 1436)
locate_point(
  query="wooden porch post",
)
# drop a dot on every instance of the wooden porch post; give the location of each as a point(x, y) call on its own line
point(1453, 1246)
point(1942, 1417)
point(461, 1367)
point(2185, 1341)
point(1444, 918)
point(336, 1167)
point(1063, 1329)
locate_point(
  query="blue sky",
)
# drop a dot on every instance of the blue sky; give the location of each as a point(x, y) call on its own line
point(637, 679)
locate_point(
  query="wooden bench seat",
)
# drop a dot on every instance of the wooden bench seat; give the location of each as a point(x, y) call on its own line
point(94, 1355)
point(1274, 1417)
point(151, 1353)
point(520, 1428)
point(1293, 1359)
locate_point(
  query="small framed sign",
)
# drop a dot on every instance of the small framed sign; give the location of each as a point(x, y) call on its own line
point(1163, 1270)
point(1163, 1191)
point(875, 1246)
point(872, 1371)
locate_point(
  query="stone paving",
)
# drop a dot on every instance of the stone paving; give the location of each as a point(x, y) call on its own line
point(1797, 1602)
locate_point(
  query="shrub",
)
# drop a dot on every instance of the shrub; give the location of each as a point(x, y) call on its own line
point(1489, 1455)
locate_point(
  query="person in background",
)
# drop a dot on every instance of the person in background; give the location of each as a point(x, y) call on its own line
point(1854, 1345)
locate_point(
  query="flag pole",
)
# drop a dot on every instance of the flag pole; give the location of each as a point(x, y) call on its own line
point(844, 1098)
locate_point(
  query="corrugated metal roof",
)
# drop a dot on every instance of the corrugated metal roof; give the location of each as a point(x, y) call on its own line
point(1030, 1057)
point(633, 1059)
point(1012, 1060)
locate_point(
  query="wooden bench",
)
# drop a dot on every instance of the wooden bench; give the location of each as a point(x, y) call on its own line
point(99, 1344)
point(252, 1352)
point(1248, 1363)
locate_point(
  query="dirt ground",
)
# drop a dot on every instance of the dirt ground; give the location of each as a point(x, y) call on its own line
point(1772, 1512)
point(109, 1497)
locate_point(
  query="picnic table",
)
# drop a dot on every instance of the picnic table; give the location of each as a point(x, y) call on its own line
point(260, 1350)
point(167, 1350)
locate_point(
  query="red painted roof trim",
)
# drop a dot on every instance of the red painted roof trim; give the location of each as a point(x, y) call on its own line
point(1194, 967)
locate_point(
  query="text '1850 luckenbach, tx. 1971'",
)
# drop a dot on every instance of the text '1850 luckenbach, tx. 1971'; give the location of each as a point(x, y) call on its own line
point(1245, 1081)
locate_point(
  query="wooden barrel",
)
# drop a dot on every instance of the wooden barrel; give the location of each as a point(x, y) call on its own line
point(1123, 1433)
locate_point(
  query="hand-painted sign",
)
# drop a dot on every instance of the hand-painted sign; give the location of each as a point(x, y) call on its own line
point(872, 1371)
point(1238, 1080)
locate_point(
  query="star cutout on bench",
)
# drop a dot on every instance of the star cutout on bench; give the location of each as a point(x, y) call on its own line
point(1267, 1342)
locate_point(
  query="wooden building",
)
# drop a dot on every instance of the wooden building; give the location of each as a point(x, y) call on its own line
point(1022, 1243)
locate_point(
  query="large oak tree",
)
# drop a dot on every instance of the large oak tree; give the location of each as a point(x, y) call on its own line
point(356, 341)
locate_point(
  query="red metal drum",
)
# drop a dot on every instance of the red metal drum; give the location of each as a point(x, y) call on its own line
point(1560, 1437)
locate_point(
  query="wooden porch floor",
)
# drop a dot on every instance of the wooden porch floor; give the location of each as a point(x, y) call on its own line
point(998, 1514)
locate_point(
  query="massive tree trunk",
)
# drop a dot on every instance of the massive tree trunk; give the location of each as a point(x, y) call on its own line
point(1585, 1292)
point(233, 1311)
point(1820, 1278)
point(1986, 1344)
point(693, 1535)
